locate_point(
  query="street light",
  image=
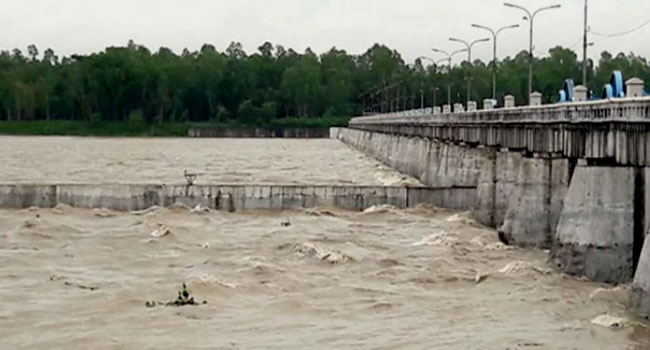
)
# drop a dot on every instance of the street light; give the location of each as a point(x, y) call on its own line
point(495, 34)
point(469, 58)
point(530, 19)
point(435, 94)
point(449, 58)
point(426, 58)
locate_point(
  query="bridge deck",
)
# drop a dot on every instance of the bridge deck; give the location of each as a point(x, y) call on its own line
point(613, 131)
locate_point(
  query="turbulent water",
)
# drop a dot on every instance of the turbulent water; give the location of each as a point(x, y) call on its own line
point(324, 278)
point(163, 160)
point(315, 279)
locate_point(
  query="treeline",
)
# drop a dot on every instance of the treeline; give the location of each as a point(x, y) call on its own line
point(131, 82)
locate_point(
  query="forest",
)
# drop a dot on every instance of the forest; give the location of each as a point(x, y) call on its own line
point(132, 83)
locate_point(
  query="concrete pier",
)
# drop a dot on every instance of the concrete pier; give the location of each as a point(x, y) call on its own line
point(536, 203)
point(596, 233)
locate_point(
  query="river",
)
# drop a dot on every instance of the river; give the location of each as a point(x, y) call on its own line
point(323, 278)
point(164, 160)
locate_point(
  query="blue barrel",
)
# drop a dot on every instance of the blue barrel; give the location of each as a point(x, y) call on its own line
point(618, 89)
point(566, 94)
point(608, 91)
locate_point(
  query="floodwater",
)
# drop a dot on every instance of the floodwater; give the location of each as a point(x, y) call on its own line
point(324, 278)
point(164, 160)
point(314, 279)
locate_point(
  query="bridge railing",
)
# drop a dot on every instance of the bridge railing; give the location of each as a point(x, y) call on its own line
point(621, 109)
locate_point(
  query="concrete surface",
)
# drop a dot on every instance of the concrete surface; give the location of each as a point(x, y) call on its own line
point(229, 197)
point(536, 203)
point(595, 235)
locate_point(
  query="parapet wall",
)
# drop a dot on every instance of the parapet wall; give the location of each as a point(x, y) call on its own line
point(230, 197)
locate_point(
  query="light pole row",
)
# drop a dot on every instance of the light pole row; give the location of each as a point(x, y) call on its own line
point(531, 56)
point(469, 46)
point(530, 17)
point(495, 35)
point(449, 58)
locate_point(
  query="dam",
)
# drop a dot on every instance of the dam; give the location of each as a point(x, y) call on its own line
point(392, 241)
point(569, 177)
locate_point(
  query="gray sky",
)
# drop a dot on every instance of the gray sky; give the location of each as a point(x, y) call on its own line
point(411, 26)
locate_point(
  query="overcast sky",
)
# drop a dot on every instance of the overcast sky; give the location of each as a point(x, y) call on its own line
point(410, 26)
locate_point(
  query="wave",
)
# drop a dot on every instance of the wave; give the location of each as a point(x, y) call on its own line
point(332, 257)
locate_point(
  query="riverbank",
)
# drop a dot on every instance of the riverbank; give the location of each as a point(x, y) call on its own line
point(131, 129)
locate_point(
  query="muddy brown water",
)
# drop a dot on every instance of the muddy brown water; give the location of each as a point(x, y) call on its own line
point(163, 161)
point(325, 278)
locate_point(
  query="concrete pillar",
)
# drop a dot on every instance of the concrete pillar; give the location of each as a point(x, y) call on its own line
point(536, 99)
point(488, 104)
point(536, 202)
point(437, 110)
point(485, 208)
point(634, 87)
point(580, 93)
point(499, 171)
point(640, 295)
point(458, 108)
point(596, 233)
point(471, 106)
point(446, 109)
point(509, 101)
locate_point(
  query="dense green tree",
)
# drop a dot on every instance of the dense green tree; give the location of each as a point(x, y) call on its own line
point(132, 83)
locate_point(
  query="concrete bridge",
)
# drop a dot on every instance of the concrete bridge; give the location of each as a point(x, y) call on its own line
point(572, 177)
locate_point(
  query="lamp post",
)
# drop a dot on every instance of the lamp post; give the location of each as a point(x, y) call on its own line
point(495, 35)
point(435, 94)
point(469, 59)
point(531, 19)
point(585, 44)
point(449, 59)
point(436, 89)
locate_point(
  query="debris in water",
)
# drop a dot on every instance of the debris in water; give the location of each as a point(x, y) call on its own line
point(161, 231)
point(184, 298)
point(286, 223)
point(189, 177)
point(81, 286)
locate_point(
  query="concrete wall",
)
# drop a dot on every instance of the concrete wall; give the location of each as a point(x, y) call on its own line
point(434, 164)
point(498, 176)
point(229, 197)
point(536, 202)
point(596, 233)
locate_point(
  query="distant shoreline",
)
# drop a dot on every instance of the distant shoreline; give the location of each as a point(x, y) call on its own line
point(308, 128)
